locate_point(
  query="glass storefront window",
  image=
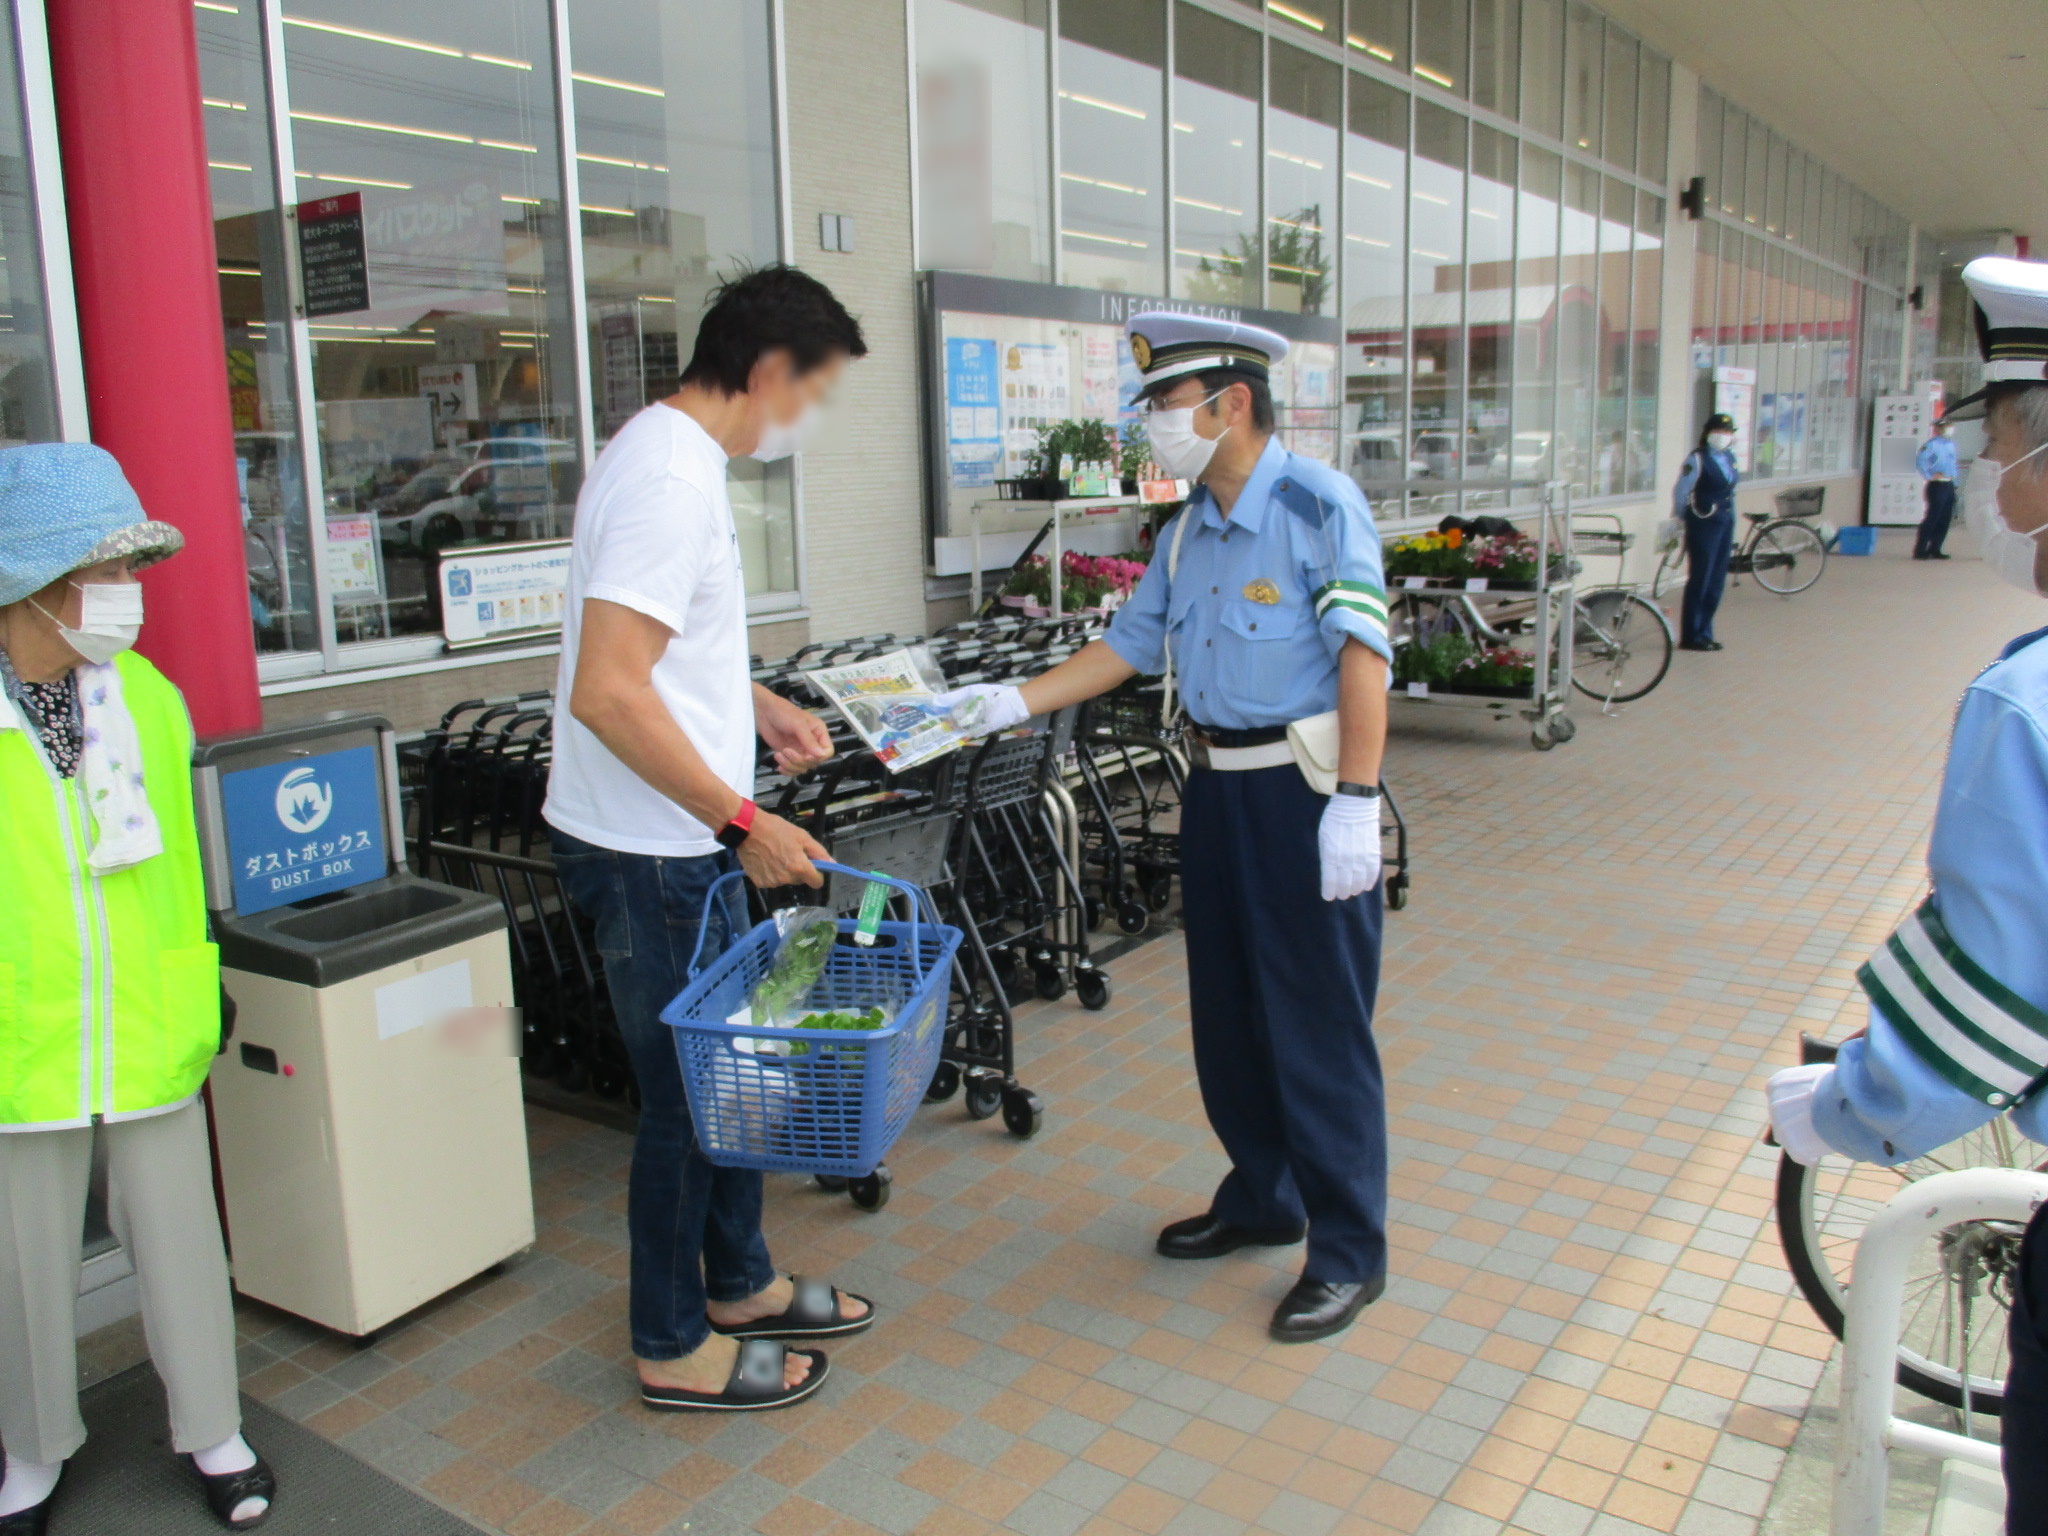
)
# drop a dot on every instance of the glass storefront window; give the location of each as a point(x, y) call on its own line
point(983, 142)
point(1734, 150)
point(1609, 473)
point(1582, 67)
point(1774, 200)
point(1578, 325)
point(1375, 312)
point(1441, 44)
point(1532, 451)
point(1489, 306)
point(1217, 69)
point(1436, 287)
point(1653, 116)
point(1618, 141)
point(255, 305)
point(675, 151)
point(1379, 30)
point(1112, 207)
point(1306, 116)
point(28, 390)
point(1497, 56)
point(1318, 18)
point(1543, 66)
point(1645, 332)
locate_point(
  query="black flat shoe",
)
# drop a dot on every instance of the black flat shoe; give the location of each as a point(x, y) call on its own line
point(1315, 1309)
point(1938, 555)
point(1208, 1237)
point(813, 1312)
point(228, 1489)
point(35, 1520)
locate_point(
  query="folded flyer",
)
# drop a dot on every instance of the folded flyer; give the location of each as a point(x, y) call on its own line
point(888, 700)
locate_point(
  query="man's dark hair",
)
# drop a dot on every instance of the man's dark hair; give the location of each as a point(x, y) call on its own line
point(1216, 379)
point(770, 307)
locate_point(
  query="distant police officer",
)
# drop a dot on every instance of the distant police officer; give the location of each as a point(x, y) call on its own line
point(1266, 599)
point(1958, 1022)
point(1936, 462)
point(1703, 501)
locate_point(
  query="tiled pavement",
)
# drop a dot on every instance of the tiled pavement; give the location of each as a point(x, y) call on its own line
point(1588, 1329)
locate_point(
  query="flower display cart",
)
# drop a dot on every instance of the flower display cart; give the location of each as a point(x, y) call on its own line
point(1480, 622)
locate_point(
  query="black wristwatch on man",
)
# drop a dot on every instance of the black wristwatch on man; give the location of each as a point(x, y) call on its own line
point(1358, 791)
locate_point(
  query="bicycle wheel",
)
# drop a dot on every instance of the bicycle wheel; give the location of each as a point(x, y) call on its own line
point(1621, 645)
point(1670, 572)
point(1959, 1284)
point(1787, 557)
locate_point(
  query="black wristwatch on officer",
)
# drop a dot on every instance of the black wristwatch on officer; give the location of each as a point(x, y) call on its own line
point(1358, 791)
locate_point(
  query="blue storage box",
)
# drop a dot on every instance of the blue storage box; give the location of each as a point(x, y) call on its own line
point(1856, 541)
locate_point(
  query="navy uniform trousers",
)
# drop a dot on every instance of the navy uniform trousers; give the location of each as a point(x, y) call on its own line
point(1281, 985)
point(2024, 1429)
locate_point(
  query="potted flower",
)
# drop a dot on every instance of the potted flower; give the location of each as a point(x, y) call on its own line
point(1445, 556)
point(1506, 560)
point(1029, 588)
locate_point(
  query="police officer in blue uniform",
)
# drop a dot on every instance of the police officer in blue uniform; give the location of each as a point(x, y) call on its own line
point(1936, 462)
point(1265, 606)
point(1958, 1019)
point(1704, 503)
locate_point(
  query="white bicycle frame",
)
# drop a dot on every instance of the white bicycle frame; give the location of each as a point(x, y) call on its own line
point(1870, 1334)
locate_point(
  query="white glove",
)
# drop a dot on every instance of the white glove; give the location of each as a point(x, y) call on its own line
point(1791, 1093)
point(982, 709)
point(1350, 845)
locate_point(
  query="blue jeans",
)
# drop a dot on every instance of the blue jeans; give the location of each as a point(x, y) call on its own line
point(695, 1228)
point(1709, 541)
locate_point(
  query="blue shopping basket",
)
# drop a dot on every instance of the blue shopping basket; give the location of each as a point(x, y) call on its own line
point(839, 1106)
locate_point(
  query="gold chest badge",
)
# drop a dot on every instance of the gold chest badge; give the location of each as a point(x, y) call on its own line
point(1262, 591)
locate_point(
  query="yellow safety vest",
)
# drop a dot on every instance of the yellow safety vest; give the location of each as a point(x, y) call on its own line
point(109, 990)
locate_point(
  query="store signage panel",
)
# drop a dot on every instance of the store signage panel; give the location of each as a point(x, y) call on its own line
point(334, 262)
point(304, 827)
point(503, 591)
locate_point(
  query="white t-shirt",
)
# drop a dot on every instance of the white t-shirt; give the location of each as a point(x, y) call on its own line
point(654, 533)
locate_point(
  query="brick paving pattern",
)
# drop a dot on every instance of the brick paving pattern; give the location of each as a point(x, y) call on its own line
point(1588, 1328)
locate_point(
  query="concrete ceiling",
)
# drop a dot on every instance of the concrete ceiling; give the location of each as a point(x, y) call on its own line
point(1937, 108)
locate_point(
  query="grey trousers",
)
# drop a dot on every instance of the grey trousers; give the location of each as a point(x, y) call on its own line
point(160, 1205)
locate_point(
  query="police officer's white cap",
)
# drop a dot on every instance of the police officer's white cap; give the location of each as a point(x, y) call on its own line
point(1167, 347)
point(2012, 321)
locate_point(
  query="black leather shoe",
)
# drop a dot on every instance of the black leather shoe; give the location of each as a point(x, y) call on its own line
point(1208, 1237)
point(35, 1520)
point(1315, 1309)
point(227, 1490)
point(1938, 555)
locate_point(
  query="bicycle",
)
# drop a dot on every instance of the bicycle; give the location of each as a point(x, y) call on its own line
point(1785, 554)
point(1959, 1286)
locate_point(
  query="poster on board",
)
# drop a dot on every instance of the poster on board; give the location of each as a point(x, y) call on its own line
point(498, 592)
point(974, 441)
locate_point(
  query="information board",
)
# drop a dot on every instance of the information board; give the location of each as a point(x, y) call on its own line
point(334, 260)
point(304, 827)
point(503, 591)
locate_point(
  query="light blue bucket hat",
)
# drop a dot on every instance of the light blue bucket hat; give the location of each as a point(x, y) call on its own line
point(67, 505)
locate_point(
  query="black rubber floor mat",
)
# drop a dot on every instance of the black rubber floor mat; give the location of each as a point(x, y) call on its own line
point(126, 1482)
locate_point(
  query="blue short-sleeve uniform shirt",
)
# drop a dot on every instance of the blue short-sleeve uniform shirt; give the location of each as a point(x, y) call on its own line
point(1264, 600)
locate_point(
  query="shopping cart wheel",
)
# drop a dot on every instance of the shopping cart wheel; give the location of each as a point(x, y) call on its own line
point(1540, 739)
point(831, 1183)
point(1397, 891)
point(1022, 1112)
point(872, 1192)
point(984, 1097)
point(945, 1083)
point(1131, 916)
point(1159, 892)
point(1051, 982)
point(1562, 728)
point(1092, 987)
point(609, 1080)
point(1093, 912)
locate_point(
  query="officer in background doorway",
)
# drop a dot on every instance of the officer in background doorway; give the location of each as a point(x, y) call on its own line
point(1703, 501)
point(1937, 465)
point(1266, 597)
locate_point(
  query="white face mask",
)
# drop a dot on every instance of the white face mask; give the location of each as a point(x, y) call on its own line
point(2014, 555)
point(1720, 441)
point(110, 617)
point(1177, 447)
point(779, 439)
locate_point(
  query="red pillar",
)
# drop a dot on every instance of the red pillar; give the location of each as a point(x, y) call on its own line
point(126, 75)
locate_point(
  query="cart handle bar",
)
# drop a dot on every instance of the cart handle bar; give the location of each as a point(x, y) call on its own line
point(917, 894)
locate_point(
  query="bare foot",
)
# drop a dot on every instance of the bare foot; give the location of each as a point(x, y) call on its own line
point(709, 1367)
point(775, 1299)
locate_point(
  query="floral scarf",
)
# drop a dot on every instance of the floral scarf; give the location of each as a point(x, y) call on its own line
point(126, 828)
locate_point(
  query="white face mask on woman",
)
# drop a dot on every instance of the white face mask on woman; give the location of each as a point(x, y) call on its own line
point(2014, 555)
point(1176, 446)
point(109, 619)
point(1720, 442)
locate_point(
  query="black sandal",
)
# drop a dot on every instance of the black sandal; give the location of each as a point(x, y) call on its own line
point(813, 1313)
point(755, 1383)
point(228, 1489)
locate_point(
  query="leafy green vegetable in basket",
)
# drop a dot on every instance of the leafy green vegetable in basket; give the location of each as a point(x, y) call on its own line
point(798, 964)
point(871, 1018)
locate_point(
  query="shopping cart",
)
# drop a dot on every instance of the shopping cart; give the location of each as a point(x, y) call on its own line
point(837, 1102)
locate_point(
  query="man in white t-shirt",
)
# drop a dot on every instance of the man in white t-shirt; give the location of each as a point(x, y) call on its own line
point(650, 803)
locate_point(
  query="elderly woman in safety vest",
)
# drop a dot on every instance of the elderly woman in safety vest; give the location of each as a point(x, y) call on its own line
point(1958, 1031)
point(110, 1000)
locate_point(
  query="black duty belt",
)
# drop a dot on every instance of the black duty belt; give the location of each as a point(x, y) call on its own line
point(1258, 736)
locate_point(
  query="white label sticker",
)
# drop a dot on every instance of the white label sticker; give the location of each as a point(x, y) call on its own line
point(1418, 690)
point(1413, 582)
point(403, 1006)
point(1475, 583)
